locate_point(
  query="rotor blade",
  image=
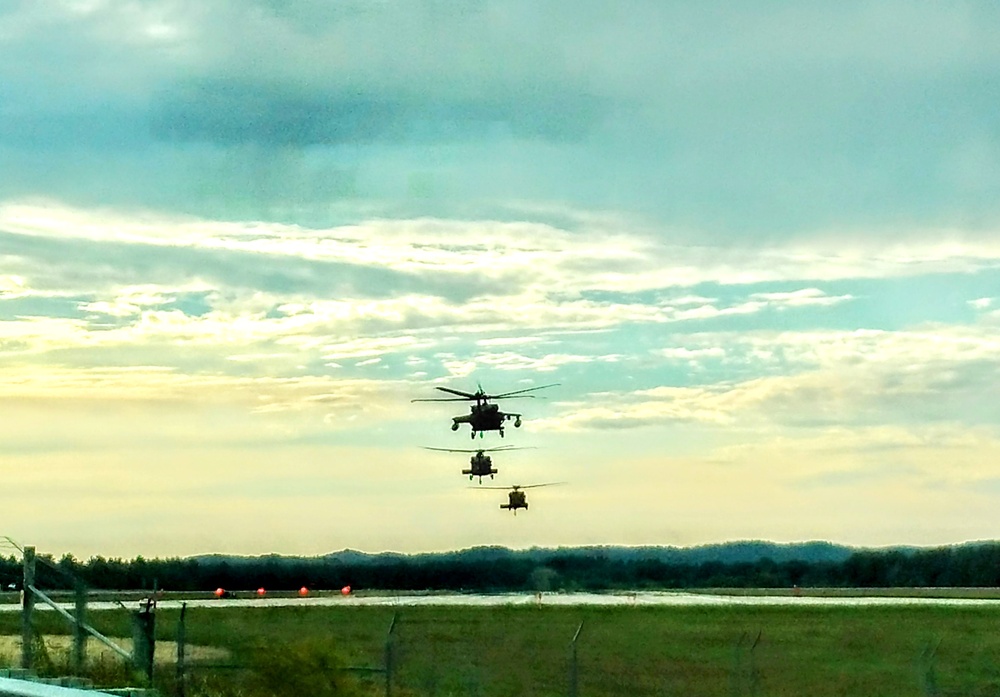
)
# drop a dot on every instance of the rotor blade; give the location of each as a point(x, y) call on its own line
point(535, 486)
point(480, 450)
point(467, 395)
point(440, 399)
point(515, 487)
point(504, 395)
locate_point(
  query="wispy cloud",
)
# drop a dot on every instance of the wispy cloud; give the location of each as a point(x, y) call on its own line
point(530, 254)
point(825, 377)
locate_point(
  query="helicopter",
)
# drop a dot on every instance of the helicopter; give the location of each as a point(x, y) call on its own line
point(482, 415)
point(516, 497)
point(481, 464)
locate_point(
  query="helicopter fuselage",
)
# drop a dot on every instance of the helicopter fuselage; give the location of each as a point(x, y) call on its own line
point(515, 499)
point(485, 417)
point(480, 466)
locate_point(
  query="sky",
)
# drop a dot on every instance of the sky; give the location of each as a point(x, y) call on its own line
point(756, 246)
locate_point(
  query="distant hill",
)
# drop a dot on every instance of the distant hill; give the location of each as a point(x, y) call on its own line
point(740, 552)
point(741, 564)
point(750, 551)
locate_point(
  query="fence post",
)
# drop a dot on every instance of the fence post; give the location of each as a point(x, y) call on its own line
point(27, 605)
point(79, 633)
point(754, 675)
point(181, 639)
point(389, 642)
point(927, 668)
point(144, 639)
point(736, 675)
point(574, 673)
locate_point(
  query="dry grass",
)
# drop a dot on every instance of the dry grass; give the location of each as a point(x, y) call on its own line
point(166, 651)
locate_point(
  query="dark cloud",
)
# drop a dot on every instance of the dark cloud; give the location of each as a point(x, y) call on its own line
point(233, 112)
point(765, 117)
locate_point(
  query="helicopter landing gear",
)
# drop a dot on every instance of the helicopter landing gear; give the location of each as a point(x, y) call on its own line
point(501, 433)
point(473, 434)
point(517, 423)
point(454, 426)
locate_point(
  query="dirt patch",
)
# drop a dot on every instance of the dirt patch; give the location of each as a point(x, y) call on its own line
point(166, 651)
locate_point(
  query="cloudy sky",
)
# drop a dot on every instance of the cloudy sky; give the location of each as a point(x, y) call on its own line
point(756, 244)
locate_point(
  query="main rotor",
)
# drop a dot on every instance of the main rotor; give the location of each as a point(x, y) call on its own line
point(480, 396)
point(479, 450)
point(518, 487)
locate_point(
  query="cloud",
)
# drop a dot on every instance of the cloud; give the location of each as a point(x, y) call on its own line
point(509, 341)
point(229, 112)
point(491, 254)
point(510, 360)
point(373, 347)
point(776, 120)
point(131, 301)
point(801, 298)
point(72, 388)
point(684, 353)
point(273, 299)
point(11, 286)
point(831, 377)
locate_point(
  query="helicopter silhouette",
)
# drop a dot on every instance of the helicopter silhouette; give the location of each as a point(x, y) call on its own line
point(481, 464)
point(482, 415)
point(515, 495)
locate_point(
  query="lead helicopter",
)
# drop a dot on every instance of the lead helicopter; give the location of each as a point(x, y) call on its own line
point(482, 415)
point(481, 464)
point(516, 497)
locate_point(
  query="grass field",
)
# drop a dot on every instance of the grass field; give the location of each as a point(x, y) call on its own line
point(524, 650)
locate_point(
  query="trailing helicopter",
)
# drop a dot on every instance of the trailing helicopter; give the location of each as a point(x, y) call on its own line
point(482, 415)
point(516, 497)
point(480, 463)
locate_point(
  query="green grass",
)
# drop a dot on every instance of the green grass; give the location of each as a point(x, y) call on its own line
point(637, 651)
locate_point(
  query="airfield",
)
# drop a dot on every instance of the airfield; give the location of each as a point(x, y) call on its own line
point(831, 597)
point(933, 642)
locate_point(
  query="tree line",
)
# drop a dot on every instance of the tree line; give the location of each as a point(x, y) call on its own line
point(974, 565)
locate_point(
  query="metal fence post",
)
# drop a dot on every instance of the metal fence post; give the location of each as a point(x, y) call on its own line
point(736, 675)
point(389, 641)
point(927, 668)
point(747, 675)
point(27, 605)
point(754, 676)
point(574, 673)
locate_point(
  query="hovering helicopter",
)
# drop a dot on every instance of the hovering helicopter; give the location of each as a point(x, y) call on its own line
point(481, 464)
point(484, 416)
point(516, 497)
